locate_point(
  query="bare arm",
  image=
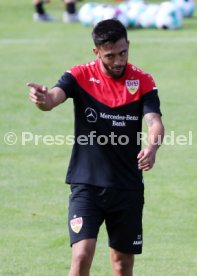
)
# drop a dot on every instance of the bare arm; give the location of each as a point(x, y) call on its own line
point(146, 157)
point(44, 98)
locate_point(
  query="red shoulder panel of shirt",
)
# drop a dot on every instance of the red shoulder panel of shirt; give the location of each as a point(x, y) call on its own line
point(110, 91)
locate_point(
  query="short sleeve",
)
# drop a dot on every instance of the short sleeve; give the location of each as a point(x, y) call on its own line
point(67, 83)
point(151, 102)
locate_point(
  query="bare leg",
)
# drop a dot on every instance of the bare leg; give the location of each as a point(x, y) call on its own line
point(82, 256)
point(122, 264)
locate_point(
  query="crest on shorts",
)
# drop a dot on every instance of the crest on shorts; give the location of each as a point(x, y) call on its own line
point(132, 86)
point(76, 224)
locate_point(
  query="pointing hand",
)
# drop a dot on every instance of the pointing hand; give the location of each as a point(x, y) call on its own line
point(38, 93)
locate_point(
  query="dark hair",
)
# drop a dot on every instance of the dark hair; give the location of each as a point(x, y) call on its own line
point(109, 30)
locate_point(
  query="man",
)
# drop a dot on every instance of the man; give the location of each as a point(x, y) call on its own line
point(105, 173)
point(69, 15)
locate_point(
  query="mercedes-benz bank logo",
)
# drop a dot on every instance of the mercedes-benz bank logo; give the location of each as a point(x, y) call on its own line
point(91, 115)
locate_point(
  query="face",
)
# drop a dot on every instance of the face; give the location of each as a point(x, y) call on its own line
point(113, 57)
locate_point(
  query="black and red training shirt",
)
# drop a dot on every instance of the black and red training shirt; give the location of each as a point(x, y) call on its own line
point(108, 122)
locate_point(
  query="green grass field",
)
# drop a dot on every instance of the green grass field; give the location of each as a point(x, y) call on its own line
point(33, 196)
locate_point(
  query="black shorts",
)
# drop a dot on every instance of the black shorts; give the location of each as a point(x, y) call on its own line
point(121, 210)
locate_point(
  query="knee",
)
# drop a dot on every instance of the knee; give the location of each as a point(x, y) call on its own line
point(121, 267)
point(123, 264)
point(81, 260)
point(82, 255)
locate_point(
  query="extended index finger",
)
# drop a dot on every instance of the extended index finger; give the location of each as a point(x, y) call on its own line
point(34, 85)
point(37, 86)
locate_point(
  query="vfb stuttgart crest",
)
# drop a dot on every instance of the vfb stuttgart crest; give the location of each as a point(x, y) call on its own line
point(132, 86)
point(76, 224)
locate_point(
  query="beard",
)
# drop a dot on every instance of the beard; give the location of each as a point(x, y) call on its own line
point(115, 71)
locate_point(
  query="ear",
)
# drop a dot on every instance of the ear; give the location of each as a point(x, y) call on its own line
point(96, 52)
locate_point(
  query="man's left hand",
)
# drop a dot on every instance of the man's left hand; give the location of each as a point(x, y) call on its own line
point(146, 158)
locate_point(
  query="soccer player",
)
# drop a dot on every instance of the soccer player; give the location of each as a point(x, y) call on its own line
point(69, 15)
point(111, 96)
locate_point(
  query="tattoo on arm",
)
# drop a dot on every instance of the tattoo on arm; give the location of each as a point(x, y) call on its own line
point(155, 129)
point(150, 118)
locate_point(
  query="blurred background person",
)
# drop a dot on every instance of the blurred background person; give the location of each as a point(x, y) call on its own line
point(69, 15)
